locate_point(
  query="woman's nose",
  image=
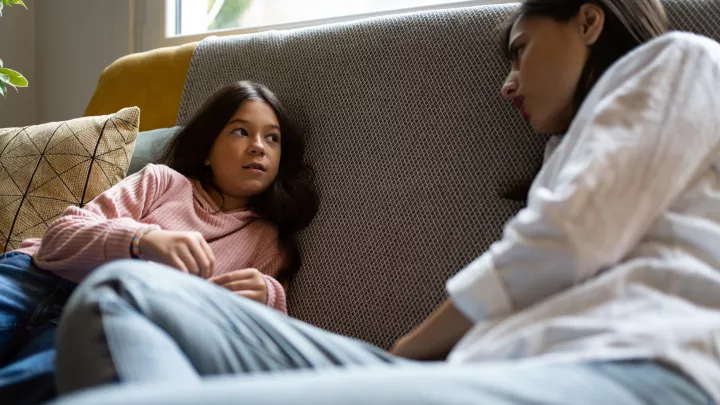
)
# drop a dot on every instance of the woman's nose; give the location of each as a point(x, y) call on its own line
point(509, 88)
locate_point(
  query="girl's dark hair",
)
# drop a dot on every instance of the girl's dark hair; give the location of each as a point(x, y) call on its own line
point(290, 202)
point(628, 23)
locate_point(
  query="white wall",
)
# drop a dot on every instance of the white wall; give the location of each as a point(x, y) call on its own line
point(17, 50)
point(74, 41)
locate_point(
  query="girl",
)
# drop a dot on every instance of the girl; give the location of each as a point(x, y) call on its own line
point(604, 290)
point(224, 203)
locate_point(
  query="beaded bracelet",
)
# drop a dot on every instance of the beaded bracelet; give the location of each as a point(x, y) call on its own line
point(135, 245)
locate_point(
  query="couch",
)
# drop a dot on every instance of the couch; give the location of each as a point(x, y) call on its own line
point(415, 152)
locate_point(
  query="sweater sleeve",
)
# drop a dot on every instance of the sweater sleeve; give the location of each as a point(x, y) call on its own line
point(276, 294)
point(646, 131)
point(269, 259)
point(84, 238)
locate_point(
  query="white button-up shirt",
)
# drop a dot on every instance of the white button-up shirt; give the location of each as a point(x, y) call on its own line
point(617, 255)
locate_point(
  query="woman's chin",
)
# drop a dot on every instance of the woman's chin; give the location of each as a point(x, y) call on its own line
point(543, 127)
point(538, 127)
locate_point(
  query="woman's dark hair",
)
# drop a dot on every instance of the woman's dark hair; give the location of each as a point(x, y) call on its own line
point(290, 202)
point(628, 23)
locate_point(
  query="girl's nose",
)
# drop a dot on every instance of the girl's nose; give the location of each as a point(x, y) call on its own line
point(257, 147)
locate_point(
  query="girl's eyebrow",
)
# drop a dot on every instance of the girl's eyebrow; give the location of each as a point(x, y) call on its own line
point(245, 122)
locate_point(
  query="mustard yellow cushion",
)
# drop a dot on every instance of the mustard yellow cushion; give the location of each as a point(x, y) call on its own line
point(151, 80)
point(45, 168)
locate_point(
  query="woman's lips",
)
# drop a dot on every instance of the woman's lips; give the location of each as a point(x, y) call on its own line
point(524, 114)
point(520, 104)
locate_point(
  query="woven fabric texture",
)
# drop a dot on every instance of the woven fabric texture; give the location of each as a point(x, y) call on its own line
point(412, 145)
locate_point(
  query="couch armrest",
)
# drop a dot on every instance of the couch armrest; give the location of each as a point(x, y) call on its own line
point(151, 80)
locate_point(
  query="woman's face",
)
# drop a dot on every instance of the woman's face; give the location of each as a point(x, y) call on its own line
point(547, 59)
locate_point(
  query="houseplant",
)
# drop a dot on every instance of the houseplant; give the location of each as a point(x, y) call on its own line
point(9, 77)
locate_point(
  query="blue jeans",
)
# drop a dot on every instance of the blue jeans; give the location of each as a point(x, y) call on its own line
point(170, 338)
point(30, 302)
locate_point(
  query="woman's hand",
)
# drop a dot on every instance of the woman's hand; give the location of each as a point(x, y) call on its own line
point(412, 347)
point(436, 336)
point(403, 347)
point(185, 251)
point(249, 283)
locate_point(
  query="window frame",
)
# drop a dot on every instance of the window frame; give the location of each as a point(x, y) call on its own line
point(149, 35)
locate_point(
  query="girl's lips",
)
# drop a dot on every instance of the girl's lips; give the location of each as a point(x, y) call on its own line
point(254, 170)
point(259, 167)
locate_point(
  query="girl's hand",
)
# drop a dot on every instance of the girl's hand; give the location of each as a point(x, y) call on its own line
point(186, 251)
point(249, 283)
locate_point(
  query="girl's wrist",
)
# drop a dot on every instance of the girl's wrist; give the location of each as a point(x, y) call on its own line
point(135, 243)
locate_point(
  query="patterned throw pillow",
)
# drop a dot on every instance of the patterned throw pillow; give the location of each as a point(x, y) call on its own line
point(45, 168)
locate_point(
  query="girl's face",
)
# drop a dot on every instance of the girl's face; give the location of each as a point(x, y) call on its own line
point(245, 157)
point(547, 59)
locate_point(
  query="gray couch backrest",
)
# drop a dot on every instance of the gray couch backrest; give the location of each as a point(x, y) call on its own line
point(412, 145)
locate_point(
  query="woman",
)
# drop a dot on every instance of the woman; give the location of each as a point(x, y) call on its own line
point(604, 290)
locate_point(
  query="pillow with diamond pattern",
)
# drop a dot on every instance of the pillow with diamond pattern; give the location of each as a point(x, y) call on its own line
point(46, 168)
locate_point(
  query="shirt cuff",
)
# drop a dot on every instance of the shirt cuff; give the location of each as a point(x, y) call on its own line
point(478, 291)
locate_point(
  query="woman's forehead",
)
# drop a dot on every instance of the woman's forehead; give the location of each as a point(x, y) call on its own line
point(518, 27)
point(526, 24)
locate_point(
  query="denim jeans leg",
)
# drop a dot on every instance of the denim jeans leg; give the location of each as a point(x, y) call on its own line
point(30, 301)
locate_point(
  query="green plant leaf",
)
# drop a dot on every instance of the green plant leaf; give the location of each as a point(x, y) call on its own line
point(20, 2)
point(16, 79)
point(5, 79)
point(10, 3)
point(3, 89)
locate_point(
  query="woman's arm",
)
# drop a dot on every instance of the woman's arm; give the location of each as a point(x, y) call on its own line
point(84, 238)
point(646, 131)
point(434, 338)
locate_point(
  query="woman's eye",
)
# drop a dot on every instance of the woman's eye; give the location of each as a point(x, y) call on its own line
point(240, 131)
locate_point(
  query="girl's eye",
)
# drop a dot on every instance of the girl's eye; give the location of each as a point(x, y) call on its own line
point(240, 131)
point(274, 138)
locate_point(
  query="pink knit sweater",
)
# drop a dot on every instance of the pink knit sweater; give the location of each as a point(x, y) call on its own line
point(83, 239)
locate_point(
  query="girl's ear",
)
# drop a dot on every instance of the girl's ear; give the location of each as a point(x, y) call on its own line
point(207, 162)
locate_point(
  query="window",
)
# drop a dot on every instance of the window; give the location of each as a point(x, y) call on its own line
point(161, 23)
point(191, 17)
